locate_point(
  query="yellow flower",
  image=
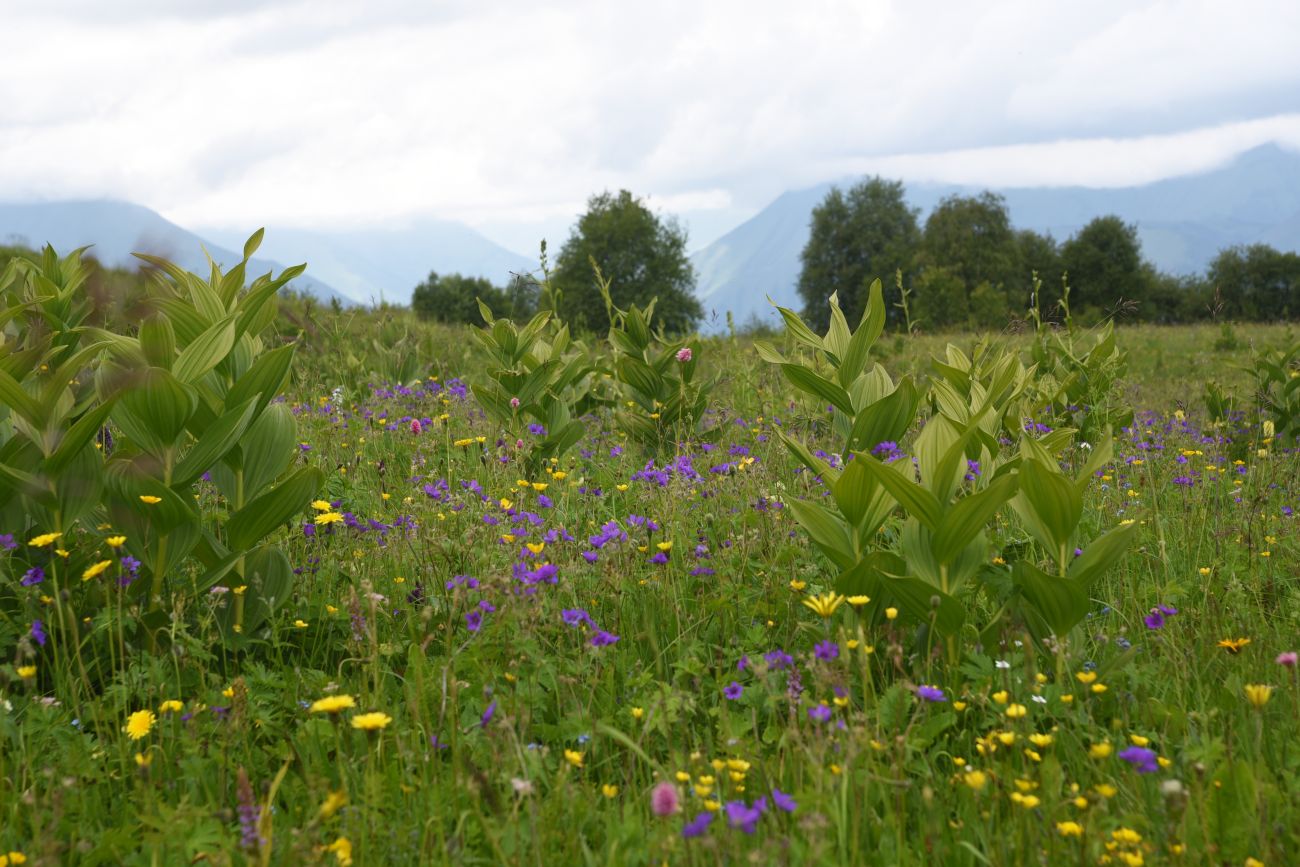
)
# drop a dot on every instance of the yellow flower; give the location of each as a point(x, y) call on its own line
point(796, 585)
point(342, 849)
point(140, 724)
point(1250, 862)
point(27, 672)
point(1106, 790)
point(976, 780)
point(170, 706)
point(300, 624)
point(332, 704)
point(371, 722)
point(637, 713)
point(1001, 696)
point(620, 488)
point(1086, 677)
point(143, 761)
point(824, 605)
point(115, 541)
point(535, 547)
point(44, 540)
point(1040, 740)
point(1205, 571)
point(321, 505)
point(1069, 829)
point(96, 570)
point(12, 858)
point(1099, 688)
point(333, 802)
point(1126, 836)
point(1101, 750)
point(573, 757)
point(858, 601)
point(150, 499)
point(1016, 711)
point(959, 705)
point(328, 518)
point(1258, 694)
point(609, 790)
point(1233, 645)
point(891, 613)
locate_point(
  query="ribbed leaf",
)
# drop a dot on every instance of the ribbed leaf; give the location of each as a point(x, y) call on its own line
point(256, 520)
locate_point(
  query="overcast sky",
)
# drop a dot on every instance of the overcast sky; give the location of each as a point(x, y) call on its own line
point(507, 115)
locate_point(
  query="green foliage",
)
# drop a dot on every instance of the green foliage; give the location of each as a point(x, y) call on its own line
point(454, 298)
point(856, 235)
point(1256, 283)
point(1105, 266)
point(642, 257)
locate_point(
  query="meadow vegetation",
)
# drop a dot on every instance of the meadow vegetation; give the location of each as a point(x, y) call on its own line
point(287, 584)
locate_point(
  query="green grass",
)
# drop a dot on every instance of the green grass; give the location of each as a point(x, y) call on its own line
point(562, 769)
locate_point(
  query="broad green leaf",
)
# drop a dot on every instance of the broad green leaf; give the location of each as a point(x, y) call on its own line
point(819, 387)
point(154, 409)
point(267, 377)
point(854, 357)
point(17, 399)
point(206, 352)
point(1061, 602)
point(255, 521)
point(886, 420)
point(827, 531)
point(158, 341)
point(1102, 553)
point(915, 500)
point(218, 439)
point(796, 327)
point(1049, 504)
point(965, 520)
point(78, 437)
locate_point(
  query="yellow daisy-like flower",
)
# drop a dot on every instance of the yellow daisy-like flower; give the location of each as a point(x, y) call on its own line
point(1086, 677)
point(824, 605)
point(26, 672)
point(573, 757)
point(1069, 829)
point(96, 570)
point(44, 540)
point(609, 790)
point(1016, 711)
point(332, 704)
point(1233, 645)
point(891, 613)
point(115, 541)
point(325, 518)
point(796, 585)
point(975, 780)
point(300, 624)
point(150, 499)
point(371, 722)
point(1258, 694)
point(140, 724)
point(1100, 751)
point(857, 601)
point(638, 712)
point(170, 706)
point(664, 546)
point(535, 547)
point(321, 505)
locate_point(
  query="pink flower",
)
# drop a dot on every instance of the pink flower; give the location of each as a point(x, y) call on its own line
point(415, 426)
point(663, 799)
point(684, 354)
point(514, 403)
point(1288, 659)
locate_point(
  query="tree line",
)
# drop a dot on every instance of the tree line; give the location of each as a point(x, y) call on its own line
point(966, 266)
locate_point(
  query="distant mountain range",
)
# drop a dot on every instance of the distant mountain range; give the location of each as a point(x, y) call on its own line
point(118, 229)
point(354, 266)
point(1182, 222)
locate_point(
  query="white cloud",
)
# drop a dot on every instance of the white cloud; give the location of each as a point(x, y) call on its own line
point(509, 115)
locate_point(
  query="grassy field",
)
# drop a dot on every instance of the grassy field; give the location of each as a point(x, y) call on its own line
point(611, 657)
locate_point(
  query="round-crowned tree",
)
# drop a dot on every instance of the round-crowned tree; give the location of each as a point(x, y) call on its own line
point(641, 255)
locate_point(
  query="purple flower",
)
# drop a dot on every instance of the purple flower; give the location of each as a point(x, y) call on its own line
point(474, 620)
point(779, 659)
point(827, 650)
point(819, 713)
point(603, 638)
point(784, 801)
point(590, 556)
point(38, 632)
point(659, 558)
point(697, 826)
point(7, 541)
point(733, 691)
point(741, 815)
point(1142, 759)
point(487, 715)
point(34, 575)
point(574, 616)
point(930, 693)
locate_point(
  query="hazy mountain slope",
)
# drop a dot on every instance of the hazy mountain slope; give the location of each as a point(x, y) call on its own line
point(118, 229)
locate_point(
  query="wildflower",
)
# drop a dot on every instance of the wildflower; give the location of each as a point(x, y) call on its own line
point(891, 613)
point(487, 715)
point(1069, 829)
point(1233, 645)
point(699, 825)
point(1142, 759)
point(824, 606)
point(44, 540)
point(115, 541)
point(609, 790)
point(796, 585)
point(573, 757)
point(333, 802)
point(37, 632)
point(684, 354)
point(342, 851)
point(819, 713)
point(32, 577)
point(637, 712)
point(326, 518)
point(826, 650)
point(1016, 711)
point(1086, 677)
point(664, 799)
point(930, 693)
point(371, 722)
point(858, 601)
point(1100, 751)
point(170, 706)
point(150, 499)
point(140, 724)
point(321, 505)
point(26, 672)
point(1288, 659)
point(332, 704)
point(733, 691)
point(741, 815)
point(975, 780)
point(1001, 696)
point(783, 801)
point(1258, 694)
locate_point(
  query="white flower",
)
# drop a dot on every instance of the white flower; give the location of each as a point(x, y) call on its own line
point(1040, 699)
point(1002, 663)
